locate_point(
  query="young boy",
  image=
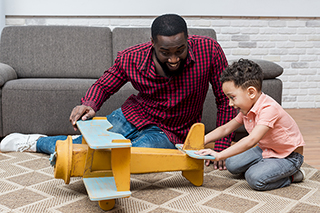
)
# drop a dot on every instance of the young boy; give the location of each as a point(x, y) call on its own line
point(274, 162)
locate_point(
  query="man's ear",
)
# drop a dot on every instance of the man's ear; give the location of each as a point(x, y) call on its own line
point(252, 92)
point(152, 41)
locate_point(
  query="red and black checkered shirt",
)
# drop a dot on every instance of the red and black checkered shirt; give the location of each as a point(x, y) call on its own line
point(173, 104)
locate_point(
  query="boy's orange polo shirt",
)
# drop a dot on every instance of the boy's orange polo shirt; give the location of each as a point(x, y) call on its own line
point(283, 136)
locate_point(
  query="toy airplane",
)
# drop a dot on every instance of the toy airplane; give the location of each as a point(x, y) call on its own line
point(105, 160)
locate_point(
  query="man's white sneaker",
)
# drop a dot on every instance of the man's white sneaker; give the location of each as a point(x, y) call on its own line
point(16, 142)
point(299, 176)
point(75, 136)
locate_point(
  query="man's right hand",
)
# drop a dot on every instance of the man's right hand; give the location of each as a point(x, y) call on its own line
point(83, 112)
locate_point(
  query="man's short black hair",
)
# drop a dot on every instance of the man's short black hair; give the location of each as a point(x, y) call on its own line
point(168, 25)
point(243, 73)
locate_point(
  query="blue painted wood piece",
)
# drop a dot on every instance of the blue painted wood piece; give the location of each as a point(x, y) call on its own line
point(191, 153)
point(97, 135)
point(103, 188)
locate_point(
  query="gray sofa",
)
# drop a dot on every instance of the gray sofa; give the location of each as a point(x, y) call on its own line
point(46, 70)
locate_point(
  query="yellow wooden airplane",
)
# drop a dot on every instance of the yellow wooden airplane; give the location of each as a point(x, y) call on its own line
point(105, 160)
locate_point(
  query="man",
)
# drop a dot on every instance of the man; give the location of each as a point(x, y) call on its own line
point(172, 74)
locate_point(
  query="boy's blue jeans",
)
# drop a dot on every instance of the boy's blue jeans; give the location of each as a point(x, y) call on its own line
point(264, 174)
point(150, 136)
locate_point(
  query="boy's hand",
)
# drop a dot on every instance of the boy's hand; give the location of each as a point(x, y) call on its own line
point(206, 152)
point(217, 164)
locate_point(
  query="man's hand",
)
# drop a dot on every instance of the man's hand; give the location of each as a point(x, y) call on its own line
point(217, 164)
point(221, 165)
point(83, 112)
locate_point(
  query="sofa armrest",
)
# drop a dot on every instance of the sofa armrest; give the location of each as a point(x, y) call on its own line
point(7, 73)
point(270, 69)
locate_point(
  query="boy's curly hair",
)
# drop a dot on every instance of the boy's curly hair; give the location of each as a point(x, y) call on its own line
point(244, 73)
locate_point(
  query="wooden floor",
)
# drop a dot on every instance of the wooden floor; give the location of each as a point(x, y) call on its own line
point(308, 121)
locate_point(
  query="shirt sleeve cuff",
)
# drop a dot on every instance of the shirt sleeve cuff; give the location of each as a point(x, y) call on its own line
point(91, 104)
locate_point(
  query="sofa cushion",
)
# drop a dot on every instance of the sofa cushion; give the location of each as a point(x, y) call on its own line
point(41, 105)
point(209, 114)
point(123, 38)
point(56, 51)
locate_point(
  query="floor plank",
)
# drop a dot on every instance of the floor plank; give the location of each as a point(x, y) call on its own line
point(308, 121)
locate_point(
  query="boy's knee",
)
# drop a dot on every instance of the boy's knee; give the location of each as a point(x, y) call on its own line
point(255, 181)
point(232, 166)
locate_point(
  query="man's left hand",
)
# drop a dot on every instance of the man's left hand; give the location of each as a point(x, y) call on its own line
point(217, 164)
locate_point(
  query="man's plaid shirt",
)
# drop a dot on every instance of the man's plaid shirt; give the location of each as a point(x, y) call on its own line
point(173, 104)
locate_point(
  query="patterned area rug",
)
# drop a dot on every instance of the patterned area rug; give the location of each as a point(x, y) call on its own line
point(27, 185)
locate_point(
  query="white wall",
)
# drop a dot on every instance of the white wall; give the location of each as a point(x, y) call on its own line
point(278, 8)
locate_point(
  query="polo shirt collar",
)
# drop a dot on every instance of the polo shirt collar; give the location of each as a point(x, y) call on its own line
point(257, 105)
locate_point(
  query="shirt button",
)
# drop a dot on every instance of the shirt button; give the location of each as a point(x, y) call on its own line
point(266, 150)
point(250, 121)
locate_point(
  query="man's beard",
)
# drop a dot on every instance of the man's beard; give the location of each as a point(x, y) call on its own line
point(166, 70)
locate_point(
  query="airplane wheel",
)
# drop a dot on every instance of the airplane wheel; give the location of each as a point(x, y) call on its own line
point(106, 204)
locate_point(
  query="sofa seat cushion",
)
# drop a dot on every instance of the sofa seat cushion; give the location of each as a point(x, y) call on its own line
point(41, 105)
point(44, 105)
